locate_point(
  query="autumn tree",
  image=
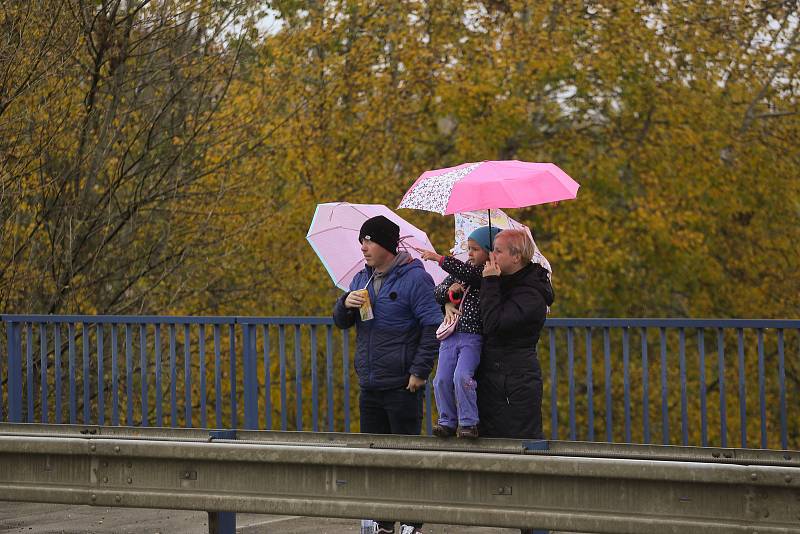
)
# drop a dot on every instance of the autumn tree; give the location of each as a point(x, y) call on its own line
point(105, 114)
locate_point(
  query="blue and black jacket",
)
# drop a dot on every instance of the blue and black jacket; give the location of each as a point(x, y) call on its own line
point(401, 339)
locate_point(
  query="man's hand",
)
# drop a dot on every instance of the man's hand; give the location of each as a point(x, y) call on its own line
point(430, 255)
point(354, 300)
point(415, 383)
point(491, 268)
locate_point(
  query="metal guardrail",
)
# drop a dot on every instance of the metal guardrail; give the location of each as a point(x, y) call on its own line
point(670, 381)
point(578, 487)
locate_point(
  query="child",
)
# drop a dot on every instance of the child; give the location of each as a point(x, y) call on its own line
point(459, 354)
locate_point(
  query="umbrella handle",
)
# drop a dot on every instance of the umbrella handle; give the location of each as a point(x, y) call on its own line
point(491, 240)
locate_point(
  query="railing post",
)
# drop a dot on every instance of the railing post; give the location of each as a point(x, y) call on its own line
point(298, 378)
point(250, 378)
point(14, 373)
point(232, 374)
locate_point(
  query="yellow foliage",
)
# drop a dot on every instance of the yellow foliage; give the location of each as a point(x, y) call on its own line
point(680, 121)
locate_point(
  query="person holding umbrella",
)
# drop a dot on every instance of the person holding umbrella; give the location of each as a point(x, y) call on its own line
point(515, 293)
point(395, 341)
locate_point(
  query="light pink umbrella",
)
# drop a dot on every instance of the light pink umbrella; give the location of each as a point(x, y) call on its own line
point(488, 185)
point(334, 236)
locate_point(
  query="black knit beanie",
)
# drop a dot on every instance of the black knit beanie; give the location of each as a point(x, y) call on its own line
point(382, 231)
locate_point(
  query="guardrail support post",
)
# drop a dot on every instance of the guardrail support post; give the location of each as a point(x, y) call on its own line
point(222, 522)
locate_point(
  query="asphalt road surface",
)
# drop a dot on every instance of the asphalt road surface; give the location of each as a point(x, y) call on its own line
point(33, 518)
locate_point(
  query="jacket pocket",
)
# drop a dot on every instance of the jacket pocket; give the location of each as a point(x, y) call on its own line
point(362, 352)
point(387, 354)
point(359, 363)
point(403, 359)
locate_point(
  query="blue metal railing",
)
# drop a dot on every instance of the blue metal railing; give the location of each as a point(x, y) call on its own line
point(235, 375)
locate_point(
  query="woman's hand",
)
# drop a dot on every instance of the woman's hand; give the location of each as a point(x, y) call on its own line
point(451, 313)
point(430, 255)
point(491, 268)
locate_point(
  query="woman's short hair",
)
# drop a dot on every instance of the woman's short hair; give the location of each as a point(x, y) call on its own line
point(518, 242)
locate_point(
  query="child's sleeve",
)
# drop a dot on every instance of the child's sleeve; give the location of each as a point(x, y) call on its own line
point(440, 291)
point(471, 275)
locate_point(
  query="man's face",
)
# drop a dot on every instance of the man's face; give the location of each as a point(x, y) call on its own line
point(374, 254)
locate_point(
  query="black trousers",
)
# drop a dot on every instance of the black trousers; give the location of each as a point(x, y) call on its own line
point(391, 411)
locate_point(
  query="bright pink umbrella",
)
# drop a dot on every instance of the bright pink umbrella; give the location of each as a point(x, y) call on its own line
point(334, 236)
point(487, 185)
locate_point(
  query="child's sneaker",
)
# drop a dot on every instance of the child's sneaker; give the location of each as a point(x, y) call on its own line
point(410, 529)
point(469, 432)
point(441, 431)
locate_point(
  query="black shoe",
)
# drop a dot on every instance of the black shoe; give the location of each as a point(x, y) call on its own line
point(469, 432)
point(441, 431)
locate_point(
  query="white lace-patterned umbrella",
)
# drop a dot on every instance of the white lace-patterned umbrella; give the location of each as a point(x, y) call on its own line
point(469, 221)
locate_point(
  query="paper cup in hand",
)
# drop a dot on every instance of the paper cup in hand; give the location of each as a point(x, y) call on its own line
point(366, 308)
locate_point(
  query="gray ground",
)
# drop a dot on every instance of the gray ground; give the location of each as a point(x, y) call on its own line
point(33, 518)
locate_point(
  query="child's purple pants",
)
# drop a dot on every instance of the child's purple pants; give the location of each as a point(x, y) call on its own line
point(454, 386)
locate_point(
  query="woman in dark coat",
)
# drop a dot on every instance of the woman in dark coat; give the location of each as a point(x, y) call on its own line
point(515, 295)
